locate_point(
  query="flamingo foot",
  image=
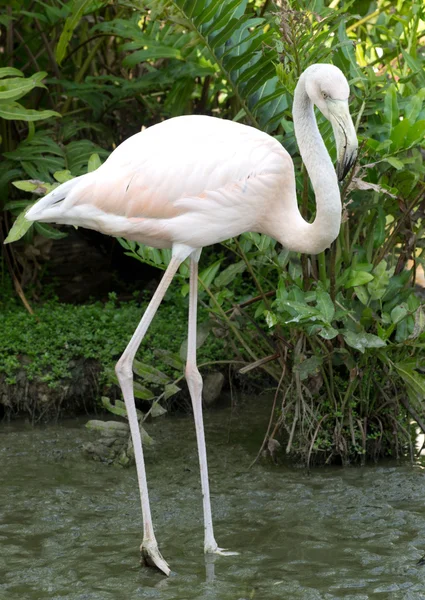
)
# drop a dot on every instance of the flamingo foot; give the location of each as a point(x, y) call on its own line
point(214, 549)
point(224, 552)
point(152, 557)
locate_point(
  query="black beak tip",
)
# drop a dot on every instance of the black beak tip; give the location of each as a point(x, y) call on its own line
point(341, 171)
point(343, 168)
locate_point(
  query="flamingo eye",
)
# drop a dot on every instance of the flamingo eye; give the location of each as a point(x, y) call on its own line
point(324, 95)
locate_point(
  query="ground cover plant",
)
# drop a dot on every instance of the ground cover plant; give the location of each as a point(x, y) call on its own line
point(48, 349)
point(341, 335)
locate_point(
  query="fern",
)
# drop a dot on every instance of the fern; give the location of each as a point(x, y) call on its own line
point(40, 157)
point(243, 46)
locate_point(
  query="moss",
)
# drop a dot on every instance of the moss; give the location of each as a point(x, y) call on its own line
point(46, 344)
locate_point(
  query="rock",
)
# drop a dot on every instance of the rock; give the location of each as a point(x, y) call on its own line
point(114, 444)
point(111, 447)
point(213, 384)
point(100, 452)
point(109, 428)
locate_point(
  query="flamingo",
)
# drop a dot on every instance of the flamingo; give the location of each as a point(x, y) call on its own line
point(191, 181)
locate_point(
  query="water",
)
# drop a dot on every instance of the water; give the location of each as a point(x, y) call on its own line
point(70, 528)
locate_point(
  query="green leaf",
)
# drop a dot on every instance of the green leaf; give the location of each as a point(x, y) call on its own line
point(170, 358)
point(154, 52)
point(202, 332)
point(113, 408)
point(325, 305)
point(141, 392)
point(379, 285)
point(271, 318)
point(413, 108)
point(28, 185)
point(416, 133)
point(149, 373)
point(398, 313)
point(394, 162)
point(363, 340)
point(170, 390)
point(391, 112)
point(78, 8)
point(398, 135)
point(358, 278)
point(16, 87)
point(379, 228)
point(207, 275)
point(62, 176)
point(94, 162)
point(16, 112)
point(245, 52)
point(361, 293)
point(413, 380)
point(402, 331)
point(419, 326)
point(157, 410)
point(415, 65)
point(146, 438)
point(10, 72)
point(228, 274)
point(19, 228)
point(308, 367)
point(328, 333)
point(121, 405)
point(301, 312)
point(49, 232)
point(16, 205)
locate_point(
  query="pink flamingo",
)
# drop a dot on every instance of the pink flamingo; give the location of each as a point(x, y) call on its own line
point(192, 181)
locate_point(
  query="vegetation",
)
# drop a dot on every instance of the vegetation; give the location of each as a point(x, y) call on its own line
point(46, 348)
point(341, 334)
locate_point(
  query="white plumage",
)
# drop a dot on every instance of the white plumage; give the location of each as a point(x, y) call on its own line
point(193, 181)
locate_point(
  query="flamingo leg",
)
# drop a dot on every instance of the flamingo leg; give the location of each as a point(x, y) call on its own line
point(194, 382)
point(124, 371)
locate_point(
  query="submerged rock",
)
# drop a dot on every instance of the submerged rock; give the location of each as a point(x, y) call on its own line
point(109, 428)
point(213, 384)
point(114, 446)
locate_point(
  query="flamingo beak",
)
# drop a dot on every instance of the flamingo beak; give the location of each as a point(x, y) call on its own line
point(345, 136)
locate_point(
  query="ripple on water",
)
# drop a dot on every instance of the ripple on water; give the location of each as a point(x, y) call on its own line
point(70, 528)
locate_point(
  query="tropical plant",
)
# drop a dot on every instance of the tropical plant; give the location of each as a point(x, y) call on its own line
point(341, 335)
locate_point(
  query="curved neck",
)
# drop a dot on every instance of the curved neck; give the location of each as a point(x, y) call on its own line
point(322, 232)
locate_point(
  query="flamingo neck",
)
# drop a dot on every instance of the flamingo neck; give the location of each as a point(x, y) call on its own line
point(317, 236)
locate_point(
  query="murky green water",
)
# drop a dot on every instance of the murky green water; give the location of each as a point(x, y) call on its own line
point(71, 528)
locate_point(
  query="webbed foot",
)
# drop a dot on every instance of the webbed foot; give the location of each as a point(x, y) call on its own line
point(152, 557)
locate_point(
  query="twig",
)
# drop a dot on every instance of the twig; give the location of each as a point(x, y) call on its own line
point(314, 439)
point(280, 420)
point(270, 420)
point(251, 301)
point(259, 363)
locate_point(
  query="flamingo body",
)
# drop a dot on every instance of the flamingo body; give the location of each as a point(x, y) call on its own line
point(192, 180)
